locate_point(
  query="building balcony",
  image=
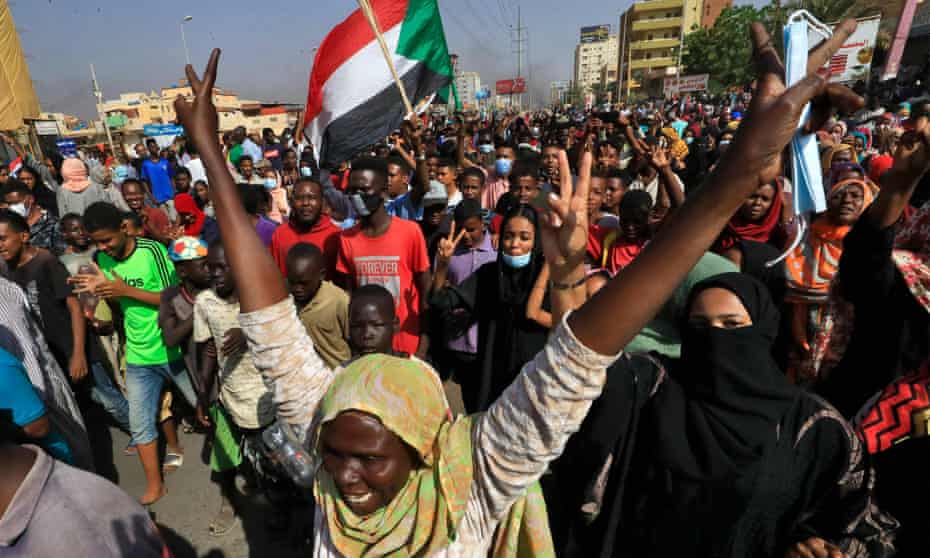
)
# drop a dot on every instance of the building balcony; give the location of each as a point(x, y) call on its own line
point(652, 5)
point(656, 24)
point(654, 43)
point(644, 63)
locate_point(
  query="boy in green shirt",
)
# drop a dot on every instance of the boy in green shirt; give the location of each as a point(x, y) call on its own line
point(134, 273)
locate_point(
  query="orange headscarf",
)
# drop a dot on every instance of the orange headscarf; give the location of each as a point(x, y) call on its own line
point(812, 265)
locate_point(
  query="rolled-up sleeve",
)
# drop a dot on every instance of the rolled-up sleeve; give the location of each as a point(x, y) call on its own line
point(284, 354)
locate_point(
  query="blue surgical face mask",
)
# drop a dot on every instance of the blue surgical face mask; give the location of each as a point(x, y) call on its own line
point(486, 148)
point(270, 183)
point(516, 262)
point(306, 171)
point(503, 167)
point(689, 140)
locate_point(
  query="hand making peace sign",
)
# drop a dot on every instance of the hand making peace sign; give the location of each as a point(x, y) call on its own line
point(447, 245)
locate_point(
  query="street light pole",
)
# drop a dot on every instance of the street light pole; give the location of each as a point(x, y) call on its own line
point(187, 54)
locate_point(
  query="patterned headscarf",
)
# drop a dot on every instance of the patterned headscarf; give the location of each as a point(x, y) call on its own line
point(422, 518)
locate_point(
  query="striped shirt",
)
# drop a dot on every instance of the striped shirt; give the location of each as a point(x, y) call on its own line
point(147, 268)
point(21, 336)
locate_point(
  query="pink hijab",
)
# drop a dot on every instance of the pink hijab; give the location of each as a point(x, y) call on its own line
point(74, 175)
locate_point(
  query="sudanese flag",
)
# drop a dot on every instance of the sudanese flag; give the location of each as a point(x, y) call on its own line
point(352, 100)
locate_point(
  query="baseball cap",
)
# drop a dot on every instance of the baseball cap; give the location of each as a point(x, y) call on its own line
point(187, 248)
point(436, 194)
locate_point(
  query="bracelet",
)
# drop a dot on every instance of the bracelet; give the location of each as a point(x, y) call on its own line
point(567, 286)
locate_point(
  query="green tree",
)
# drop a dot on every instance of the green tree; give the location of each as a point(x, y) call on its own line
point(724, 50)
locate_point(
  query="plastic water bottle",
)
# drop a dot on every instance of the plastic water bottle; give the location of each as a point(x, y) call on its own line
point(89, 301)
point(284, 448)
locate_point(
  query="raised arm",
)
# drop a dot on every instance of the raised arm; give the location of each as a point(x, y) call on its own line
point(911, 161)
point(553, 393)
point(251, 262)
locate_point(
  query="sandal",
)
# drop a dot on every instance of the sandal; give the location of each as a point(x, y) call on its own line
point(173, 462)
point(130, 450)
point(223, 523)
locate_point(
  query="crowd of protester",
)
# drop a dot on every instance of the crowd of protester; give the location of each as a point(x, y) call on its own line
point(736, 386)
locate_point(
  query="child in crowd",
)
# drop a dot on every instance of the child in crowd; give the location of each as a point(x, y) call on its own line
point(614, 249)
point(323, 307)
point(244, 407)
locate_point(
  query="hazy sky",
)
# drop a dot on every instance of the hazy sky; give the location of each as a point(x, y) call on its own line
point(267, 44)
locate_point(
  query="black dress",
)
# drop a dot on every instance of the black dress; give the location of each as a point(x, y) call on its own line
point(507, 339)
point(891, 331)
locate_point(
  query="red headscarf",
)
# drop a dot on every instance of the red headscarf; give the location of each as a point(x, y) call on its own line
point(184, 203)
point(740, 229)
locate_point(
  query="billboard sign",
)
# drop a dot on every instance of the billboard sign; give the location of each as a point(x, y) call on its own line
point(595, 33)
point(854, 59)
point(685, 84)
point(46, 127)
point(510, 86)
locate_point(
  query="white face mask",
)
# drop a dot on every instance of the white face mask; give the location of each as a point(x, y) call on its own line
point(19, 209)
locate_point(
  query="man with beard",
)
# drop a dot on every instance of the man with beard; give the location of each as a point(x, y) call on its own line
point(306, 224)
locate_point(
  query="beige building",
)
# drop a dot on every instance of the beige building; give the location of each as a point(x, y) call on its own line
point(468, 84)
point(596, 62)
point(131, 111)
point(651, 32)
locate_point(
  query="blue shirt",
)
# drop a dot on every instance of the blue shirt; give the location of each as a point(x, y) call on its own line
point(158, 174)
point(403, 207)
point(18, 395)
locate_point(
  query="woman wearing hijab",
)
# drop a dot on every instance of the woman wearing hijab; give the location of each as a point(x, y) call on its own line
point(78, 191)
point(757, 220)
point(495, 297)
point(811, 266)
point(717, 454)
point(380, 495)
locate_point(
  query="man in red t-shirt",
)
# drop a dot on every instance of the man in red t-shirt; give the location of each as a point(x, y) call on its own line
point(386, 251)
point(306, 224)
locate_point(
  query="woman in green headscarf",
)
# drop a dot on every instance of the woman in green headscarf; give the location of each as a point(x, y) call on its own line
point(399, 479)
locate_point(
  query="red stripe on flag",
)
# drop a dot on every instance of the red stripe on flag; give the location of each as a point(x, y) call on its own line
point(343, 42)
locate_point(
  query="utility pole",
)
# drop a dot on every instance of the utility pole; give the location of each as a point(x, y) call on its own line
point(103, 119)
point(520, 42)
point(623, 47)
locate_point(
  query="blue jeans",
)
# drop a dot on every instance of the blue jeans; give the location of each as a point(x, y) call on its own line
point(108, 396)
point(144, 384)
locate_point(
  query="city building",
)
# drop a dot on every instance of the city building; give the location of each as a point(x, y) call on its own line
point(596, 57)
point(558, 91)
point(132, 111)
point(652, 35)
point(468, 84)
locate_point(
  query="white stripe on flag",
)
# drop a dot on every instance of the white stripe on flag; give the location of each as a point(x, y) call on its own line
point(358, 79)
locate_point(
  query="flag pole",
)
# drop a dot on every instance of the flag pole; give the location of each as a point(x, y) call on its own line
point(365, 6)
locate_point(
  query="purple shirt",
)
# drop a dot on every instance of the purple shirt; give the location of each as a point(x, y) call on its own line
point(265, 229)
point(461, 266)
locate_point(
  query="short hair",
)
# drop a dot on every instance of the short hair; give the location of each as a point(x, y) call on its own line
point(303, 250)
point(14, 220)
point(250, 197)
point(525, 167)
point(246, 158)
point(191, 147)
point(472, 172)
point(309, 180)
point(68, 217)
point(448, 163)
point(102, 216)
point(636, 202)
point(133, 218)
point(375, 293)
point(15, 186)
point(400, 162)
point(377, 166)
point(466, 209)
point(132, 182)
point(150, 140)
point(183, 170)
